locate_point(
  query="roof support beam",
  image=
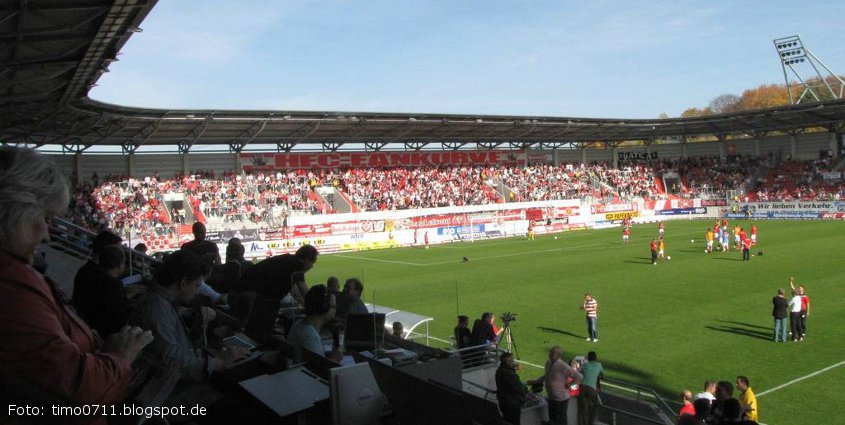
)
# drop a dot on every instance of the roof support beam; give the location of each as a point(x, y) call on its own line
point(415, 146)
point(198, 131)
point(374, 146)
point(74, 148)
point(453, 145)
point(331, 146)
point(247, 136)
point(141, 137)
point(284, 147)
point(489, 145)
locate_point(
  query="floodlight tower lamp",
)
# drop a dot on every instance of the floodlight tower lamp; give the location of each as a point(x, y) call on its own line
point(794, 53)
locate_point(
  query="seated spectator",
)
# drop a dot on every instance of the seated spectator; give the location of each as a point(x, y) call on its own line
point(140, 248)
point(102, 300)
point(177, 281)
point(482, 331)
point(44, 343)
point(350, 299)
point(205, 249)
point(235, 251)
point(92, 268)
point(233, 269)
point(305, 334)
point(462, 333)
point(333, 285)
point(398, 330)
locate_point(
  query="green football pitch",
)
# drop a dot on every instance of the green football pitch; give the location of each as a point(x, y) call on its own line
point(669, 326)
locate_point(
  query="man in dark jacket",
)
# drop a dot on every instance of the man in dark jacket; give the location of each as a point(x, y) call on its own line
point(274, 277)
point(206, 249)
point(779, 307)
point(101, 299)
point(462, 332)
point(509, 390)
point(482, 330)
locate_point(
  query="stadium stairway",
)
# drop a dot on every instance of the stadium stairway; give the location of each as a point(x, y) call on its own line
point(69, 248)
point(624, 403)
point(840, 166)
point(507, 194)
point(61, 266)
point(334, 199)
point(617, 409)
point(659, 185)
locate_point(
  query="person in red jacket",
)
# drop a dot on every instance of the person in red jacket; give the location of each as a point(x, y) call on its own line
point(44, 343)
point(746, 249)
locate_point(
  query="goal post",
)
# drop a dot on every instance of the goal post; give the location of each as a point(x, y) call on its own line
point(496, 226)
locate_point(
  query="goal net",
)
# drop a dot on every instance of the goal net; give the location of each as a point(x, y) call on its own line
point(496, 226)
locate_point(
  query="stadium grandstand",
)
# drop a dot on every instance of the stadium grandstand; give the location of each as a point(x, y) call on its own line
point(357, 181)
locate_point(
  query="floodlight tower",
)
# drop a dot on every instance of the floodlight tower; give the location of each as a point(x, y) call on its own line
point(795, 56)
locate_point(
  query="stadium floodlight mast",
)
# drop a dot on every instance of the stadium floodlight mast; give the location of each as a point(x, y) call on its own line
point(795, 56)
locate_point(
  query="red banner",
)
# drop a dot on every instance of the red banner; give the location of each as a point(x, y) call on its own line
point(603, 208)
point(439, 220)
point(312, 160)
point(562, 212)
point(833, 215)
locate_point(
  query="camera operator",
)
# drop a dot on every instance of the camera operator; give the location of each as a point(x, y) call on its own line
point(482, 330)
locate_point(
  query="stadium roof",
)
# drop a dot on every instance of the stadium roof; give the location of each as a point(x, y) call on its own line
point(52, 52)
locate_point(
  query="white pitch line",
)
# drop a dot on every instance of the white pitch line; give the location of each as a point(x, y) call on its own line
point(404, 263)
point(530, 364)
point(494, 257)
point(818, 372)
point(438, 339)
point(519, 254)
point(440, 263)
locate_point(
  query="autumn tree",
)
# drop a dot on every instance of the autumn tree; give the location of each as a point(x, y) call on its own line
point(764, 96)
point(724, 103)
point(695, 112)
point(770, 96)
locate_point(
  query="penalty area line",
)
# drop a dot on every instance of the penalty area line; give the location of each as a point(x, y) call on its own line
point(377, 260)
point(818, 372)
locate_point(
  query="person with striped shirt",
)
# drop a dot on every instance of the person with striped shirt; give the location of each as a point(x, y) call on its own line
point(591, 307)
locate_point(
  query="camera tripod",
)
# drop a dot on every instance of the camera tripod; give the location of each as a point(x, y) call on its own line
point(510, 341)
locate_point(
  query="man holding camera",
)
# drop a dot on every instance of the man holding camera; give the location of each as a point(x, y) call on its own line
point(482, 330)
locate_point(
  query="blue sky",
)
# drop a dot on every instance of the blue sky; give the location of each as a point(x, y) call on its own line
point(574, 58)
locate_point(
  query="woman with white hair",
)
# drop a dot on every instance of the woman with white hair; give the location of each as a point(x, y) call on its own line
point(44, 343)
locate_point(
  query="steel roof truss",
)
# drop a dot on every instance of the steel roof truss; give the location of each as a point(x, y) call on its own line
point(374, 146)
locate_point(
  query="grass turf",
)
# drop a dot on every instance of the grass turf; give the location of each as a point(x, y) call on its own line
point(669, 327)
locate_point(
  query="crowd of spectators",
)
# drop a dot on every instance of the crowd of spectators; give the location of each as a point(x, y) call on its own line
point(266, 199)
point(716, 404)
point(629, 180)
point(707, 176)
point(542, 182)
point(801, 180)
point(425, 187)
